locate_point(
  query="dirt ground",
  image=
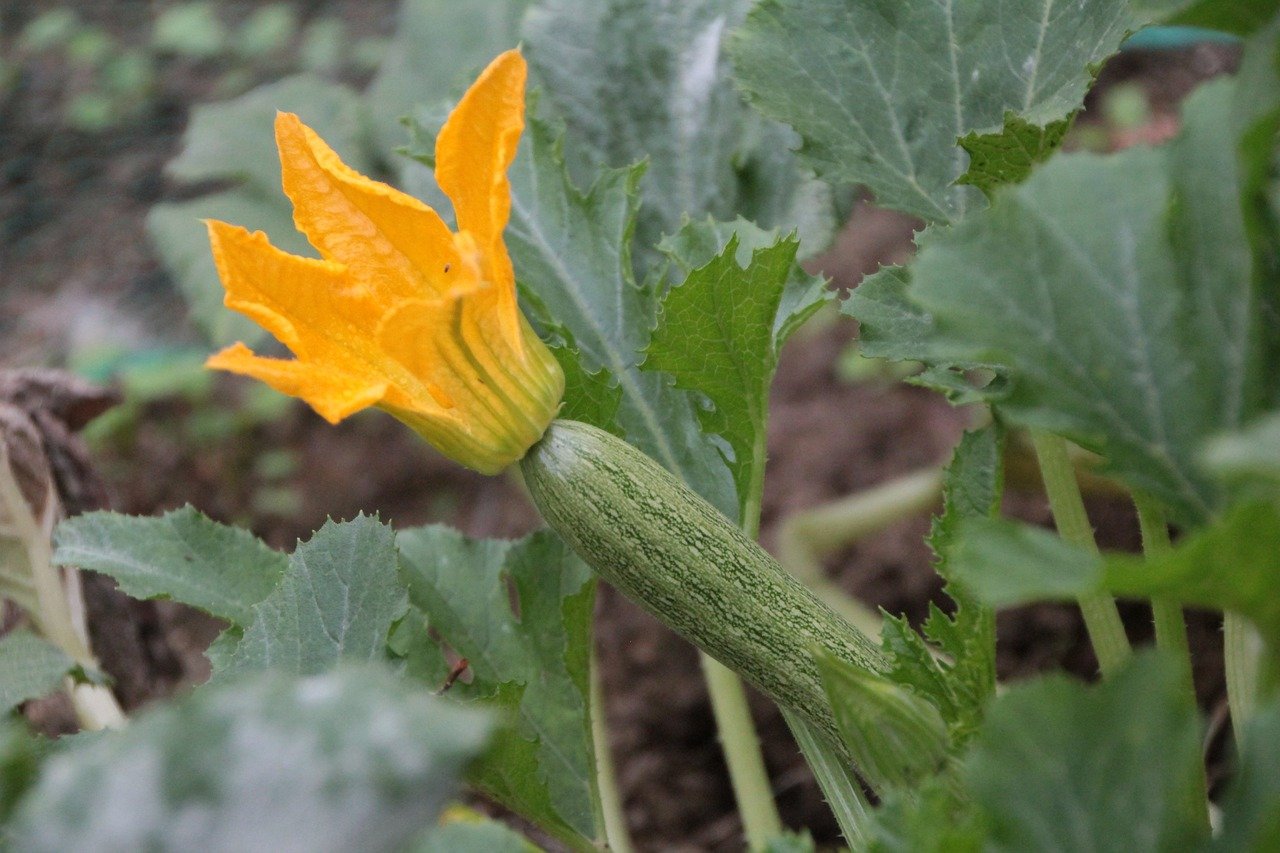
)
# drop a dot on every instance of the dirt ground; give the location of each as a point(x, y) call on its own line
point(75, 267)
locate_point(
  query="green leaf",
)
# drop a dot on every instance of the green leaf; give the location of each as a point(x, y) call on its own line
point(535, 664)
point(890, 324)
point(719, 334)
point(896, 738)
point(1126, 302)
point(1257, 121)
point(933, 819)
point(1251, 804)
point(1008, 156)
point(571, 253)
point(181, 555)
point(881, 91)
point(355, 759)
point(1007, 563)
point(961, 685)
point(790, 842)
point(337, 601)
point(1230, 565)
point(29, 668)
point(699, 242)
point(1060, 766)
point(589, 397)
point(647, 79)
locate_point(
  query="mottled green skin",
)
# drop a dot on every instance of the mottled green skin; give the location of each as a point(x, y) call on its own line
point(676, 556)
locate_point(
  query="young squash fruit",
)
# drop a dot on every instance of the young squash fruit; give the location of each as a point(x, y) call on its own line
point(678, 557)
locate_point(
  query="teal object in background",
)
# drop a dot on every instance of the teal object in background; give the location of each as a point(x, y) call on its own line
point(1169, 38)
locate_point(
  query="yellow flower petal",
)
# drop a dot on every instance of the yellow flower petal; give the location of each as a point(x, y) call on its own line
point(401, 313)
point(332, 394)
point(475, 148)
point(392, 242)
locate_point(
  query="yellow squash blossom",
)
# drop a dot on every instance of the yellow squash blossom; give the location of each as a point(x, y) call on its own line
point(401, 313)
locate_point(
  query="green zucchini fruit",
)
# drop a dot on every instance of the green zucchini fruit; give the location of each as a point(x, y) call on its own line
point(678, 557)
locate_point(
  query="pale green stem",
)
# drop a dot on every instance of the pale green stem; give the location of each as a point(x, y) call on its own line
point(612, 814)
point(835, 777)
point(805, 537)
point(760, 819)
point(1242, 653)
point(95, 706)
point(1171, 633)
point(1101, 618)
point(1171, 627)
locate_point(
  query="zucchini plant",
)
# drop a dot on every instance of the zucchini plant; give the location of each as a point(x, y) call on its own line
point(592, 286)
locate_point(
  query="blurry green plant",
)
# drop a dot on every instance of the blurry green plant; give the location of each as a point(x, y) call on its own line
point(116, 81)
point(1125, 303)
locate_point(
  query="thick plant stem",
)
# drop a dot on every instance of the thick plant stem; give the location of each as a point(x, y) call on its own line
point(1242, 652)
point(1101, 618)
point(612, 814)
point(741, 745)
point(1171, 627)
point(1171, 632)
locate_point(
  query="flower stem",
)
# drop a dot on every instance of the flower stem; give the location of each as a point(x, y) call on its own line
point(1101, 618)
point(1242, 650)
point(1171, 633)
point(612, 814)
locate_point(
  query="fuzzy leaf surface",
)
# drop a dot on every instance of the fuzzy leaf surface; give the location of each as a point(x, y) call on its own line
point(355, 759)
point(1126, 303)
point(647, 79)
point(337, 600)
point(30, 667)
point(880, 91)
point(182, 555)
point(1112, 767)
point(719, 333)
point(533, 665)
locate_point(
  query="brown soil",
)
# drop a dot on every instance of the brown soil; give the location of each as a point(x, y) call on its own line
point(74, 264)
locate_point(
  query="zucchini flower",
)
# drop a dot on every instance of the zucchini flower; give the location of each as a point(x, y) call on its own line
point(400, 312)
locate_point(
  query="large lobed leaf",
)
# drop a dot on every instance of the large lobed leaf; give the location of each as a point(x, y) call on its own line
point(337, 600)
point(353, 759)
point(882, 91)
point(534, 664)
point(182, 555)
point(1128, 311)
point(648, 79)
